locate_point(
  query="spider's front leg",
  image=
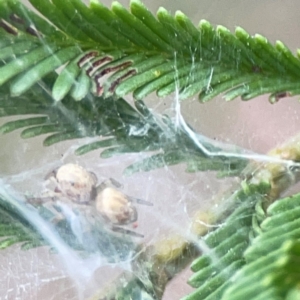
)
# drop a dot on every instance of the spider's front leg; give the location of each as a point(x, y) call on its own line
point(46, 204)
point(139, 201)
point(111, 182)
point(126, 231)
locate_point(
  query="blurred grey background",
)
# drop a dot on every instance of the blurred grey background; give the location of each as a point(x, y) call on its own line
point(255, 125)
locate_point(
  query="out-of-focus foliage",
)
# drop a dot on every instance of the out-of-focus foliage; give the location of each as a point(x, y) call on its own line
point(14, 227)
point(253, 255)
point(119, 126)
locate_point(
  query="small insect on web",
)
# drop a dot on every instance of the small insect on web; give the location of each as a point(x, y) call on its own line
point(87, 207)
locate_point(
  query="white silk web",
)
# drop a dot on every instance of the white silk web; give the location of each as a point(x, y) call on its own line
point(65, 273)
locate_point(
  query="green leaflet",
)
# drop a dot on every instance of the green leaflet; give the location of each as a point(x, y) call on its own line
point(18, 48)
point(119, 29)
point(120, 26)
point(29, 78)
point(74, 13)
point(96, 145)
point(100, 31)
point(286, 205)
point(258, 88)
point(175, 32)
point(22, 63)
point(291, 62)
point(57, 17)
point(201, 80)
point(65, 80)
point(62, 136)
point(239, 239)
point(134, 147)
point(42, 129)
point(13, 125)
point(8, 242)
point(81, 87)
point(139, 26)
point(169, 83)
point(216, 282)
point(19, 110)
point(29, 18)
point(233, 254)
point(225, 85)
point(138, 65)
point(136, 81)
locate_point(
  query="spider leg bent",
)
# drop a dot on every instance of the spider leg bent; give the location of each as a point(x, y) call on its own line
point(109, 183)
point(126, 231)
point(139, 201)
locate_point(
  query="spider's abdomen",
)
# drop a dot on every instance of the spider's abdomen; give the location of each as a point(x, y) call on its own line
point(115, 207)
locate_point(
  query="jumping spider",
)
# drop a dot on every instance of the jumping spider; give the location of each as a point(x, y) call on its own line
point(77, 188)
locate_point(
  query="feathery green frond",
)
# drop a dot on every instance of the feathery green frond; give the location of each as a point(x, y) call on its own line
point(139, 52)
point(272, 268)
point(119, 127)
point(15, 228)
point(226, 246)
point(68, 70)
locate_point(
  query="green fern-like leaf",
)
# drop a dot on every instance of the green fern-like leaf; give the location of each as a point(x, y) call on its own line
point(141, 53)
point(120, 128)
point(227, 244)
point(272, 269)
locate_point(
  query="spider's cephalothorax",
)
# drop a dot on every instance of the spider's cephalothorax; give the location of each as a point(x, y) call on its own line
point(74, 182)
point(76, 188)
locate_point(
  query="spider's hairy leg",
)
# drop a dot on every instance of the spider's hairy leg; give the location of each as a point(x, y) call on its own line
point(139, 201)
point(126, 231)
point(111, 182)
point(47, 203)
